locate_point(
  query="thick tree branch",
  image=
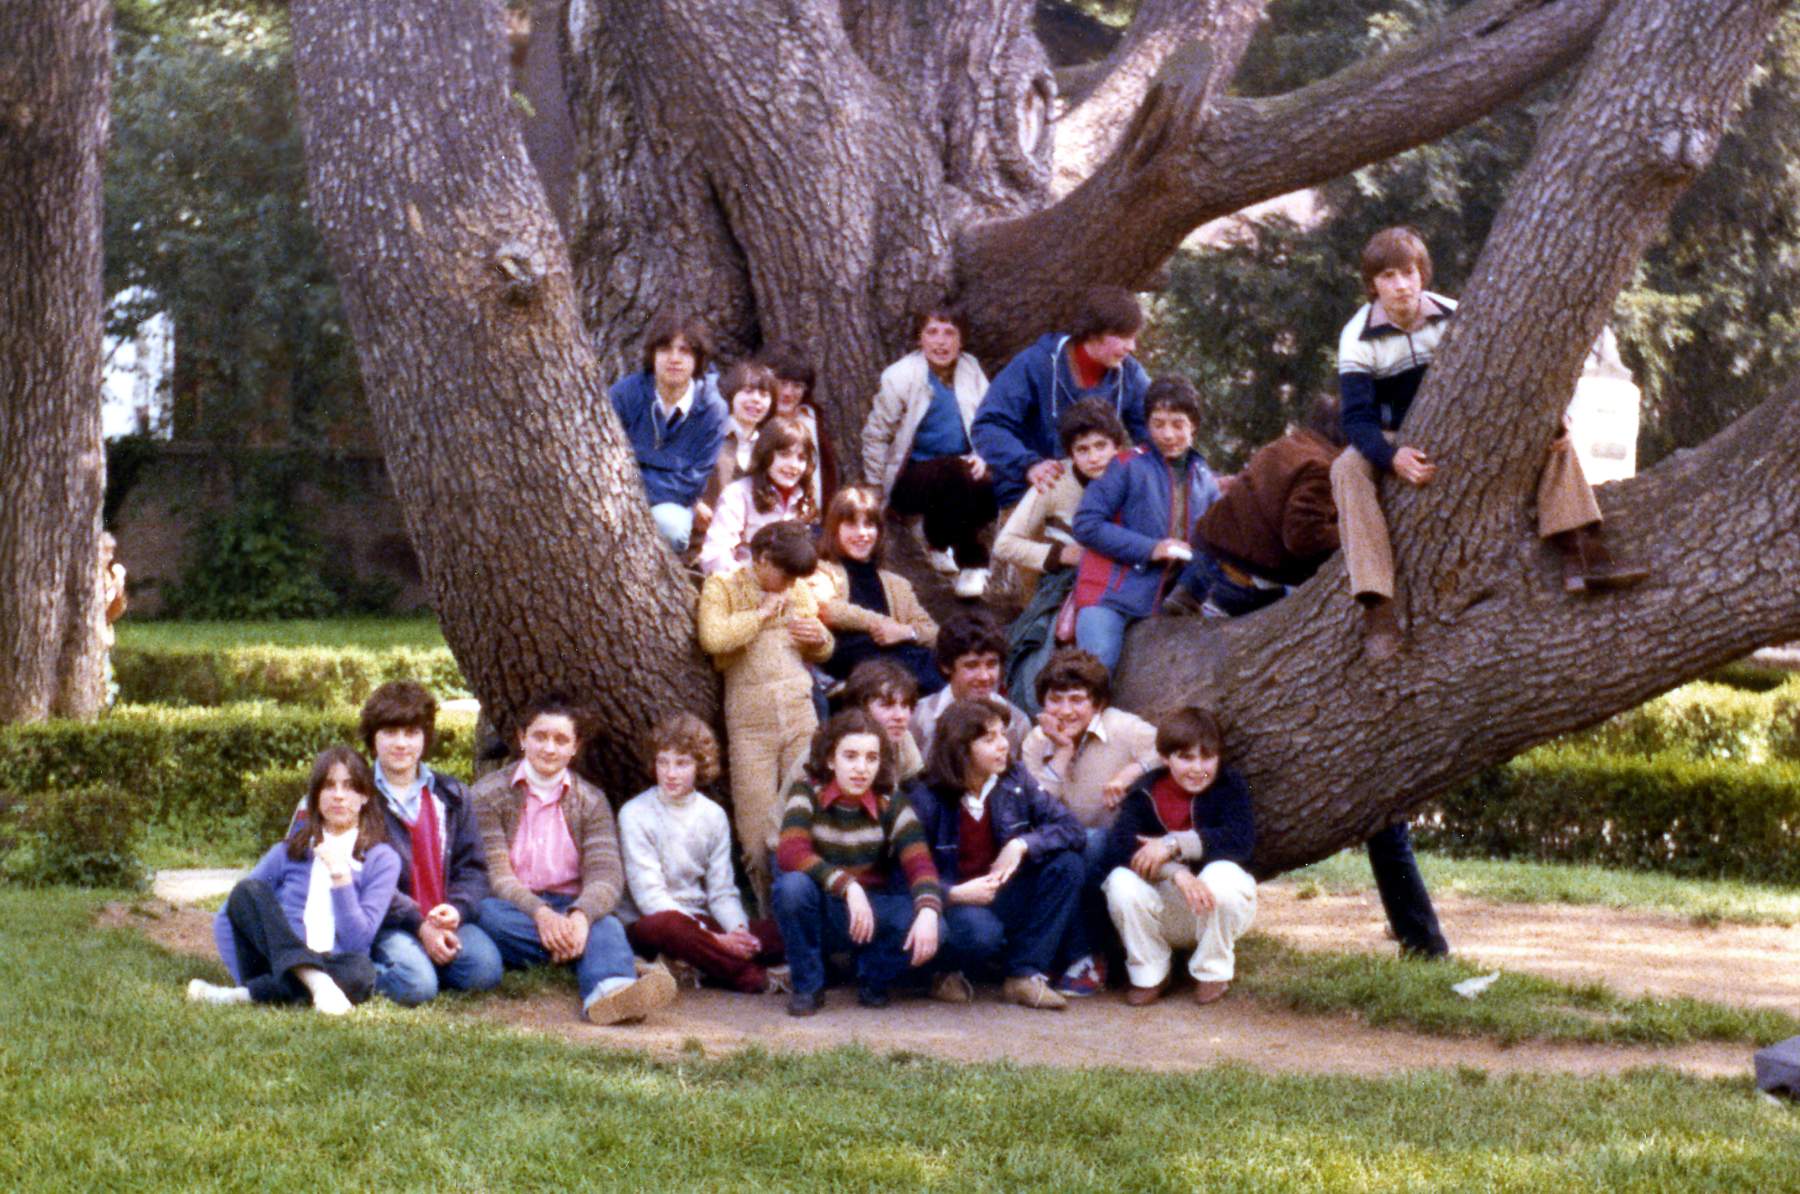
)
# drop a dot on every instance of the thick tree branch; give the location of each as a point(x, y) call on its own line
point(1186, 159)
point(1095, 117)
point(1500, 657)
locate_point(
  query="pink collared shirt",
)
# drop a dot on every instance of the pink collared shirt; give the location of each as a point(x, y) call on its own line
point(543, 854)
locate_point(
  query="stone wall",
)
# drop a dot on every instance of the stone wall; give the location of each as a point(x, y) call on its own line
point(350, 506)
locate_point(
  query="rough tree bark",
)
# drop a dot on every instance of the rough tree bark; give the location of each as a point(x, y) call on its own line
point(1499, 658)
point(55, 80)
point(810, 168)
point(518, 488)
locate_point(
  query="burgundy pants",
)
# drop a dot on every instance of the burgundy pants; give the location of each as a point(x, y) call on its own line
point(956, 507)
point(691, 940)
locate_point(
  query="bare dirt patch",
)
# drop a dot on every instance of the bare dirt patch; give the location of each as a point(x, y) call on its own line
point(1632, 952)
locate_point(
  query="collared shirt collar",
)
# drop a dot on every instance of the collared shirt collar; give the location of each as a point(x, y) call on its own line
point(830, 794)
point(404, 803)
point(1095, 729)
point(976, 803)
point(522, 776)
point(681, 408)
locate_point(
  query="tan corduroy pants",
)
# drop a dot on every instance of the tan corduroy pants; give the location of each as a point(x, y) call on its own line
point(1565, 502)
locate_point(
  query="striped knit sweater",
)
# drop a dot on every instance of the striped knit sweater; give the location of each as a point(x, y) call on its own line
point(836, 840)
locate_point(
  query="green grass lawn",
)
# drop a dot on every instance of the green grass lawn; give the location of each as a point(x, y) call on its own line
point(1707, 901)
point(370, 633)
point(108, 1081)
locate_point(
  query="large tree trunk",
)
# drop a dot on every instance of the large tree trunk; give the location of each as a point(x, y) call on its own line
point(1499, 657)
point(55, 80)
point(517, 483)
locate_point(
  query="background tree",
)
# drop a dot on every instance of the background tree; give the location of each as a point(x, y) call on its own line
point(816, 172)
point(53, 117)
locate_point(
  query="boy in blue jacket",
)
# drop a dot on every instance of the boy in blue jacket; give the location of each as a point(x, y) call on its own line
point(675, 420)
point(1015, 427)
point(1138, 519)
point(1008, 855)
point(1179, 857)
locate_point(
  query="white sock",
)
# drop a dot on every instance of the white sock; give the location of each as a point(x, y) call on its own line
point(327, 996)
point(201, 991)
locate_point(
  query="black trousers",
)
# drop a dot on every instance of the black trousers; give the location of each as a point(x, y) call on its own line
point(1403, 894)
point(268, 951)
point(956, 507)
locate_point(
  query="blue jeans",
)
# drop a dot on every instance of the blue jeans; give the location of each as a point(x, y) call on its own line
point(814, 925)
point(1101, 632)
point(405, 973)
point(1403, 893)
point(608, 954)
point(1207, 582)
point(675, 521)
point(1023, 928)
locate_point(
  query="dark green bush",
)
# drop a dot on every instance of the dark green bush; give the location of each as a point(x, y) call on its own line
point(270, 798)
point(1666, 813)
point(188, 764)
point(86, 836)
point(321, 677)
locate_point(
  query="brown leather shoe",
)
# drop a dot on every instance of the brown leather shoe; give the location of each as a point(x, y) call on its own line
point(1381, 632)
point(1589, 567)
point(1145, 996)
point(1207, 991)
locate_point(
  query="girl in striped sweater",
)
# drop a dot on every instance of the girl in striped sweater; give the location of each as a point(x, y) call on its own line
point(843, 833)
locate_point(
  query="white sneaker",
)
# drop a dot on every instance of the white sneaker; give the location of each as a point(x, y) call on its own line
point(971, 582)
point(942, 561)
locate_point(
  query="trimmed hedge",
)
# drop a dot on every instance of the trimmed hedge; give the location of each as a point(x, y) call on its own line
point(1704, 721)
point(1666, 812)
point(319, 677)
point(193, 762)
point(88, 836)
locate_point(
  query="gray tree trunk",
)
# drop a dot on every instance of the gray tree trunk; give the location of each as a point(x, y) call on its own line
point(55, 79)
point(518, 487)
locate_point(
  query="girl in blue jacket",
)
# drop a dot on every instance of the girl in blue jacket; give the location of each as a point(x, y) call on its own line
point(1138, 521)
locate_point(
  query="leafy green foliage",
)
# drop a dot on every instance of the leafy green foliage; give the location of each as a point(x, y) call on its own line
point(87, 837)
point(253, 560)
point(206, 213)
point(1708, 326)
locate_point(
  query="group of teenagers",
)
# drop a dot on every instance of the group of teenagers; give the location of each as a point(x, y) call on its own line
point(974, 808)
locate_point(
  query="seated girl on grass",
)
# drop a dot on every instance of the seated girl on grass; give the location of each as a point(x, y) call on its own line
point(299, 927)
point(682, 900)
point(843, 835)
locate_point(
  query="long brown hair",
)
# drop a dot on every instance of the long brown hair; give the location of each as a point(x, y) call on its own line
point(852, 502)
point(779, 433)
point(371, 824)
point(840, 727)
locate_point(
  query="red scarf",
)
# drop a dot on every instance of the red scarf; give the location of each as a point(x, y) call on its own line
point(1086, 370)
point(428, 854)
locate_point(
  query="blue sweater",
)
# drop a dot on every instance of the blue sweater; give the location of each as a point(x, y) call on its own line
point(1015, 426)
point(1221, 815)
point(357, 907)
point(1125, 513)
point(676, 469)
point(1016, 808)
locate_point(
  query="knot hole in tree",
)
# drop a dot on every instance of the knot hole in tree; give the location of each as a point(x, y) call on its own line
point(521, 269)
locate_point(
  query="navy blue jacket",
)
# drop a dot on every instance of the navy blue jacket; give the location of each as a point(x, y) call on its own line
point(1221, 814)
point(1123, 516)
point(676, 469)
point(1017, 808)
point(1015, 425)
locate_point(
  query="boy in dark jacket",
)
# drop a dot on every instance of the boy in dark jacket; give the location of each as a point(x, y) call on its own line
point(1008, 855)
point(1179, 854)
point(675, 420)
point(1138, 520)
point(430, 938)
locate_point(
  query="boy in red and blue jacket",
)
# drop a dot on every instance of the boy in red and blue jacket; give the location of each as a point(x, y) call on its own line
point(1138, 520)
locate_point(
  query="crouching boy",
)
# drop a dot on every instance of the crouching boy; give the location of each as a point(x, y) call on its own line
point(1178, 856)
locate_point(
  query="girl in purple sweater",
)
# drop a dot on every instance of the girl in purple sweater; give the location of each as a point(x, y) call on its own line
point(299, 927)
